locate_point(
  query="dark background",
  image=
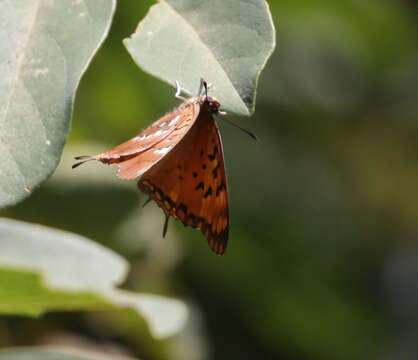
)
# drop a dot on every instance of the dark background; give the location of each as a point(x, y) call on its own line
point(323, 254)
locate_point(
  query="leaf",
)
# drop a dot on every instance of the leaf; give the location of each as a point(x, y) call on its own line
point(43, 269)
point(54, 353)
point(226, 42)
point(45, 47)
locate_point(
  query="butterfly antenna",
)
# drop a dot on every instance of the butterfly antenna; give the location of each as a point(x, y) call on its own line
point(205, 84)
point(85, 158)
point(249, 133)
point(165, 225)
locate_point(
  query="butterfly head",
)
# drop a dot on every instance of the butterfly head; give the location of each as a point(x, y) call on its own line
point(213, 104)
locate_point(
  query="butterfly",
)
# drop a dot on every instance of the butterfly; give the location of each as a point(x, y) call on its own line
point(180, 165)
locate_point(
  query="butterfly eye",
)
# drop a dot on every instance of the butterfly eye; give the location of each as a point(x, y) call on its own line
point(214, 106)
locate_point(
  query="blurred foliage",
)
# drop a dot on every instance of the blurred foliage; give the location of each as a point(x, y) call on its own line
point(324, 206)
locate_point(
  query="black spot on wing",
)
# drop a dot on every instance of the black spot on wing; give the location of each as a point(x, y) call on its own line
point(182, 208)
point(221, 187)
point(216, 170)
point(201, 185)
point(208, 192)
point(212, 156)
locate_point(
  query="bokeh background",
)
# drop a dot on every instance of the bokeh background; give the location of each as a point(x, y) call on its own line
point(323, 255)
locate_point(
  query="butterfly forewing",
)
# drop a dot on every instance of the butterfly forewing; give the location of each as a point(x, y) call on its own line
point(179, 159)
point(190, 182)
point(137, 155)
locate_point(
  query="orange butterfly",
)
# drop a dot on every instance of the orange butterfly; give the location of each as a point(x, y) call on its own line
point(179, 160)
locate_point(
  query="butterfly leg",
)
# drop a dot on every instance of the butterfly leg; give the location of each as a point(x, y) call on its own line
point(203, 86)
point(165, 225)
point(178, 92)
point(147, 202)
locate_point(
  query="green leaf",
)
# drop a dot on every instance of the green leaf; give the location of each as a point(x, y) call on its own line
point(43, 269)
point(45, 47)
point(54, 353)
point(225, 42)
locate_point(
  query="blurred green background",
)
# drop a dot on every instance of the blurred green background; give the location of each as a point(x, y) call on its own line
point(323, 254)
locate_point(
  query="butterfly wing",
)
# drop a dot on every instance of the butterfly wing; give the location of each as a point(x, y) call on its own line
point(190, 184)
point(137, 155)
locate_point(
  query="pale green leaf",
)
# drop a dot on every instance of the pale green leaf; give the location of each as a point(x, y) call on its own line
point(43, 269)
point(225, 42)
point(54, 353)
point(45, 47)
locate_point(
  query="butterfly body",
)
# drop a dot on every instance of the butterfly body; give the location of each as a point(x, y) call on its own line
point(179, 163)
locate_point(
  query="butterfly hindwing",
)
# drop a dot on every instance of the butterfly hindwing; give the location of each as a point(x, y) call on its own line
point(179, 160)
point(190, 182)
